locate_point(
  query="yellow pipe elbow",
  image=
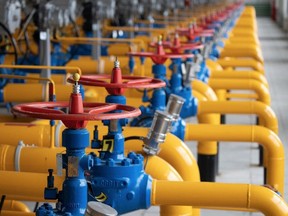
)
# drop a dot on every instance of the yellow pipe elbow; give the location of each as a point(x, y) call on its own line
point(13, 205)
point(240, 75)
point(270, 141)
point(265, 113)
point(218, 195)
point(161, 170)
point(228, 84)
point(204, 89)
point(173, 150)
point(234, 63)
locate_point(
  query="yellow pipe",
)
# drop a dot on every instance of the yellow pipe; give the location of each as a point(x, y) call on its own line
point(270, 141)
point(14, 213)
point(265, 113)
point(215, 195)
point(204, 89)
point(238, 95)
point(229, 84)
point(242, 53)
point(29, 133)
point(240, 75)
point(46, 158)
point(33, 92)
point(13, 205)
point(31, 187)
point(173, 150)
point(233, 62)
point(161, 170)
point(75, 69)
point(87, 40)
point(163, 31)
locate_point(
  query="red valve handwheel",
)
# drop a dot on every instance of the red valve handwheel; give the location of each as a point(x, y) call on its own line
point(192, 33)
point(177, 47)
point(159, 57)
point(119, 83)
point(92, 111)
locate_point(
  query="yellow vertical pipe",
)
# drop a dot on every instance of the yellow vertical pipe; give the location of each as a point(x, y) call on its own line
point(219, 195)
point(250, 133)
point(207, 148)
point(229, 84)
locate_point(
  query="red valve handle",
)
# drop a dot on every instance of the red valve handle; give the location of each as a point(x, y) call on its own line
point(178, 47)
point(159, 57)
point(119, 83)
point(91, 111)
point(192, 33)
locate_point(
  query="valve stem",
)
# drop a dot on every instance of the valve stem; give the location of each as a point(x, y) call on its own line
point(116, 63)
point(76, 87)
point(160, 40)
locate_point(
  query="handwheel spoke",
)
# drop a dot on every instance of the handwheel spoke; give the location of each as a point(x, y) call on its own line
point(103, 108)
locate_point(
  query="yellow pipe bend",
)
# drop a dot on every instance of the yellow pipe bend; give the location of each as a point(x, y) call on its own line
point(204, 89)
point(265, 113)
point(13, 205)
point(267, 138)
point(240, 75)
point(234, 63)
point(161, 170)
point(215, 195)
point(243, 84)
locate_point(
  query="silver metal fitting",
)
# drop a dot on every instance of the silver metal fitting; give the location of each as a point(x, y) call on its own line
point(157, 133)
point(174, 106)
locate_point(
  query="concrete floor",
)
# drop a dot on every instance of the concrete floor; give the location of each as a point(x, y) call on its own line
point(238, 161)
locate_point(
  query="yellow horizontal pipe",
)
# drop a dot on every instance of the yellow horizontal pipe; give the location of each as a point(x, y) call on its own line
point(242, 53)
point(29, 133)
point(244, 63)
point(240, 75)
point(33, 92)
point(270, 141)
point(16, 213)
point(215, 195)
point(265, 113)
point(231, 84)
point(88, 40)
point(25, 186)
point(238, 95)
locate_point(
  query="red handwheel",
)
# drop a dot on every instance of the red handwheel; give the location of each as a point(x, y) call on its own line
point(91, 112)
point(119, 83)
point(160, 56)
point(177, 47)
